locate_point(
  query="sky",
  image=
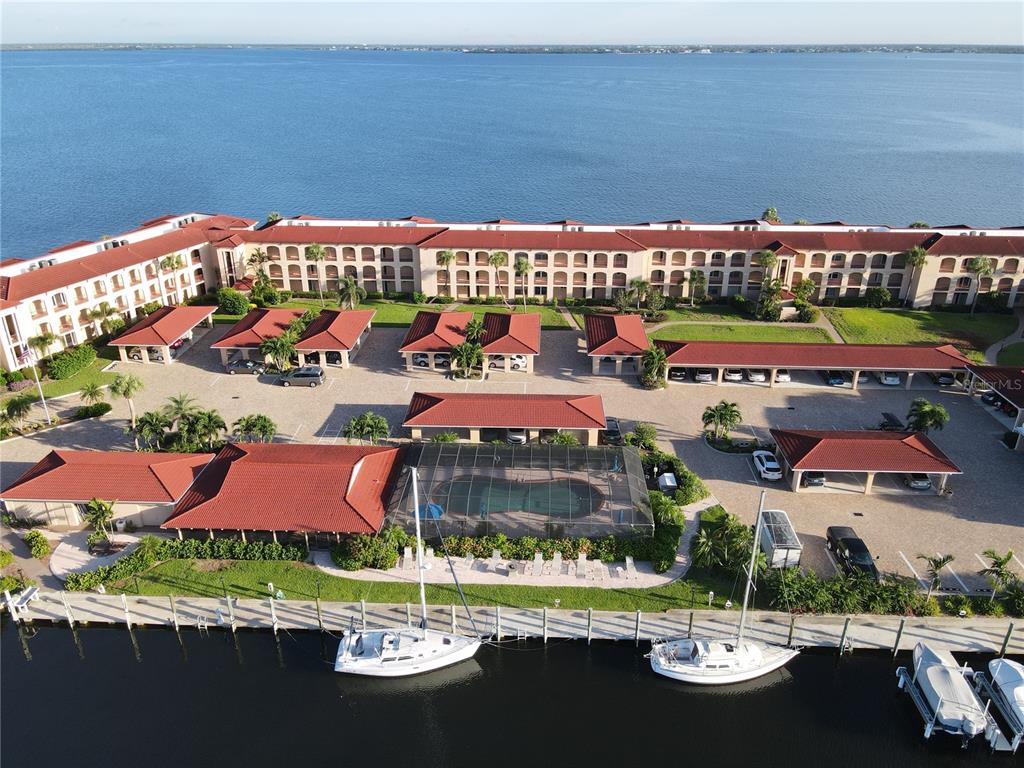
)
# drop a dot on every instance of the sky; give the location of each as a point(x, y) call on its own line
point(502, 22)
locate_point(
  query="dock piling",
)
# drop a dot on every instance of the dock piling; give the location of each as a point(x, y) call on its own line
point(455, 628)
point(67, 609)
point(497, 622)
point(231, 616)
point(273, 616)
point(899, 636)
point(689, 628)
point(842, 640)
point(590, 624)
point(10, 605)
point(1006, 640)
point(362, 613)
point(127, 614)
point(636, 630)
point(408, 614)
point(792, 626)
point(544, 623)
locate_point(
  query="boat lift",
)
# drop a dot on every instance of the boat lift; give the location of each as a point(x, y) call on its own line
point(1009, 738)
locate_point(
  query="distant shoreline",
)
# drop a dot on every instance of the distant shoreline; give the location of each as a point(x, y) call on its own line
point(531, 49)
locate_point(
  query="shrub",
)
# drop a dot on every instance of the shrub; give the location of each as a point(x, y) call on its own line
point(958, 603)
point(38, 545)
point(13, 376)
point(877, 297)
point(66, 364)
point(790, 589)
point(284, 296)
point(983, 606)
point(14, 583)
point(691, 487)
point(445, 437)
point(806, 312)
point(365, 551)
point(419, 297)
point(231, 302)
point(19, 386)
point(6, 558)
point(92, 411)
point(643, 436)
point(150, 307)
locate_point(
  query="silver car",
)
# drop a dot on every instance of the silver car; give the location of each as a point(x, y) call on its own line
point(917, 481)
point(756, 374)
point(704, 375)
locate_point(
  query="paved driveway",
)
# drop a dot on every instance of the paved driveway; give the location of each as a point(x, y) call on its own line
point(986, 509)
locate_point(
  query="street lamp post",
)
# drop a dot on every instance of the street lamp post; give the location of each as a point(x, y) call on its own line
point(28, 357)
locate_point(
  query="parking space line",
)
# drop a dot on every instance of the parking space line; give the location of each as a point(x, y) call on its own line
point(331, 383)
point(750, 466)
point(955, 575)
point(406, 387)
point(920, 581)
point(297, 430)
point(831, 560)
point(1019, 562)
point(216, 378)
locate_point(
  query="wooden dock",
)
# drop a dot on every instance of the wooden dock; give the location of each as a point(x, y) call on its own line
point(858, 632)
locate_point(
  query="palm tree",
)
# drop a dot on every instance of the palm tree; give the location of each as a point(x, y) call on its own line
point(256, 260)
point(474, 330)
point(254, 428)
point(41, 344)
point(523, 268)
point(998, 571)
point(698, 286)
point(17, 408)
point(924, 415)
point(273, 216)
point(919, 225)
point(498, 259)
point(465, 357)
point(639, 288)
point(770, 214)
point(367, 426)
point(654, 361)
point(980, 267)
point(350, 293)
point(445, 259)
point(723, 417)
point(152, 428)
point(180, 406)
point(916, 258)
point(101, 316)
point(206, 427)
point(279, 349)
point(127, 386)
point(317, 254)
point(768, 261)
point(935, 566)
point(99, 513)
point(92, 393)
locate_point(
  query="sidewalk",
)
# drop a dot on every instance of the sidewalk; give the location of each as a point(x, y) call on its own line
point(1018, 335)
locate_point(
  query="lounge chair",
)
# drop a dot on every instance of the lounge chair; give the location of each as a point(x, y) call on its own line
point(538, 564)
point(407, 559)
point(581, 566)
point(556, 564)
point(467, 562)
point(631, 568)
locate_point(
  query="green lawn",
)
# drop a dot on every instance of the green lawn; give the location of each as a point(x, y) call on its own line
point(798, 334)
point(389, 313)
point(911, 326)
point(1012, 355)
point(701, 313)
point(90, 374)
point(550, 318)
point(298, 581)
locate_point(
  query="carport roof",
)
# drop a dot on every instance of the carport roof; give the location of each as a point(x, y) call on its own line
point(436, 331)
point(864, 357)
point(77, 476)
point(279, 487)
point(163, 327)
point(256, 326)
point(618, 335)
point(333, 329)
point(470, 409)
point(511, 334)
point(1007, 380)
point(861, 451)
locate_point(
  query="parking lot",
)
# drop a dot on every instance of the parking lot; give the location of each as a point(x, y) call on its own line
point(985, 511)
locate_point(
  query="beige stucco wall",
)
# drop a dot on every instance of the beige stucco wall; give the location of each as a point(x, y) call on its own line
point(66, 513)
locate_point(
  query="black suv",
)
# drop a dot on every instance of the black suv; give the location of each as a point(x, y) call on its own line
point(612, 433)
point(850, 551)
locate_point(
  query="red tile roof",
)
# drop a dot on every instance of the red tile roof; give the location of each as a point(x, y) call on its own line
point(861, 451)
point(863, 357)
point(965, 245)
point(803, 241)
point(292, 234)
point(165, 326)
point(615, 335)
point(535, 240)
point(468, 409)
point(279, 487)
point(511, 334)
point(78, 476)
point(435, 331)
point(334, 329)
point(256, 326)
point(1007, 380)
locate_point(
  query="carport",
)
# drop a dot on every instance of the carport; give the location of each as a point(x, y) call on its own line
point(1008, 383)
point(161, 329)
point(468, 413)
point(247, 334)
point(860, 453)
point(506, 335)
point(432, 334)
point(616, 338)
point(335, 331)
point(851, 358)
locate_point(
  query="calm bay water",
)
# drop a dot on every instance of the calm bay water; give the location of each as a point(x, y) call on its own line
point(564, 704)
point(96, 141)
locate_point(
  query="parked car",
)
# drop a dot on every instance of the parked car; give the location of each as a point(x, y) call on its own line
point(677, 374)
point(812, 479)
point(863, 377)
point(516, 362)
point(442, 360)
point(833, 378)
point(155, 355)
point(756, 374)
point(782, 374)
point(333, 358)
point(704, 375)
point(888, 378)
point(421, 360)
point(243, 365)
point(850, 551)
point(515, 436)
point(992, 398)
point(917, 481)
point(733, 374)
point(612, 432)
point(306, 376)
point(312, 358)
point(178, 344)
point(766, 465)
point(943, 379)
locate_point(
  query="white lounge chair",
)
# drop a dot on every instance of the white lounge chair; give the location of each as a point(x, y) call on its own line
point(581, 566)
point(556, 564)
point(631, 568)
point(467, 562)
point(538, 564)
point(407, 559)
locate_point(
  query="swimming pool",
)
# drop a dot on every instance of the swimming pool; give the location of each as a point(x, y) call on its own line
point(481, 497)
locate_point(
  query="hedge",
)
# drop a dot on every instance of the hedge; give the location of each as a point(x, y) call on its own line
point(66, 364)
point(691, 487)
point(38, 545)
point(231, 302)
point(92, 411)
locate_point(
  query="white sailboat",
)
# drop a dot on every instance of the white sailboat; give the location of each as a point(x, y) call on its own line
point(722, 660)
point(403, 652)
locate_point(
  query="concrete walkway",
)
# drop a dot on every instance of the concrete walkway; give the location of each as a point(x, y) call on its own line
point(71, 555)
point(992, 353)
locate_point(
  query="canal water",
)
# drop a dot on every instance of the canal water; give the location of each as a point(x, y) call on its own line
point(217, 700)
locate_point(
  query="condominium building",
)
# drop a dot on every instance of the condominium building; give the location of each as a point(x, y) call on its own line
point(60, 291)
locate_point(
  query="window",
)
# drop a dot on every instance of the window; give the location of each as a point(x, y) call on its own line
point(59, 300)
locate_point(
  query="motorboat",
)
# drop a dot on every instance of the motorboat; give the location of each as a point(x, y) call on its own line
point(945, 687)
point(1008, 682)
point(711, 660)
point(404, 652)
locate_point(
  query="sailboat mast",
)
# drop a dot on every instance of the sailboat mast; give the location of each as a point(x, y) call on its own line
point(419, 547)
point(750, 570)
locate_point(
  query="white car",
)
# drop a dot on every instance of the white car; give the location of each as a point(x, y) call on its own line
point(704, 376)
point(888, 378)
point(515, 436)
point(782, 374)
point(421, 360)
point(155, 355)
point(756, 374)
point(516, 362)
point(733, 374)
point(766, 465)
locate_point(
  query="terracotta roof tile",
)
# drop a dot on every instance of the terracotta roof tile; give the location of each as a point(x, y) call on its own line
point(1007, 380)
point(165, 326)
point(435, 331)
point(256, 326)
point(726, 240)
point(335, 330)
point(292, 234)
point(861, 451)
point(511, 334)
point(615, 335)
point(468, 409)
point(535, 240)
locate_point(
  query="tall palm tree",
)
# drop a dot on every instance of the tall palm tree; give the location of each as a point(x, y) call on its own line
point(92, 393)
point(980, 267)
point(151, 428)
point(935, 565)
point(467, 356)
point(350, 293)
point(639, 288)
point(257, 259)
point(654, 362)
point(317, 254)
point(254, 428)
point(41, 344)
point(924, 415)
point(698, 286)
point(998, 571)
point(474, 330)
point(498, 260)
point(127, 386)
point(18, 408)
point(770, 214)
point(99, 514)
point(279, 349)
point(445, 259)
point(768, 261)
point(367, 426)
point(523, 268)
point(273, 216)
point(179, 406)
point(916, 258)
point(206, 427)
point(101, 316)
point(723, 417)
